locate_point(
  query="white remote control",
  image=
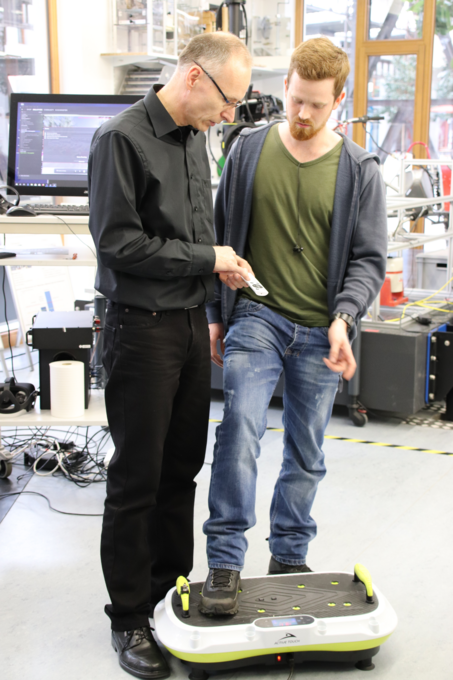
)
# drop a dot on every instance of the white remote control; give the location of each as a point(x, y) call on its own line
point(256, 286)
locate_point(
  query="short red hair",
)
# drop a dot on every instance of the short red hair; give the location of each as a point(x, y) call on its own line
point(318, 59)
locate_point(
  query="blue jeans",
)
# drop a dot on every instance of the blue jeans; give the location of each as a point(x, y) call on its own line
point(259, 345)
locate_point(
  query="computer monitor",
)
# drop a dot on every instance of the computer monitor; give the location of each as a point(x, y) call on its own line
point(50, 137)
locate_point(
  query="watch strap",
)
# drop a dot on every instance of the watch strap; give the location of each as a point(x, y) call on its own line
point(347, 318)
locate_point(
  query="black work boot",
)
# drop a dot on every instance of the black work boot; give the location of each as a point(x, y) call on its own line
point(220, 592)
point(276, 567)
point(139, 654)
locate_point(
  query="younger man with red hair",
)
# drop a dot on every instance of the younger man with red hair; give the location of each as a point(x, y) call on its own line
point(306, 207)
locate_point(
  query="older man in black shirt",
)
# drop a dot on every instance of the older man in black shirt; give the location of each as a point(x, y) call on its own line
point(152, 223)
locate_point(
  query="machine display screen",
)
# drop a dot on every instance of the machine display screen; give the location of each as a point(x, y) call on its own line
point(284, 622)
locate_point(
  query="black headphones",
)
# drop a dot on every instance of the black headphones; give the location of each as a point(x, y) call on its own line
point(15, 397)
point(4, 202)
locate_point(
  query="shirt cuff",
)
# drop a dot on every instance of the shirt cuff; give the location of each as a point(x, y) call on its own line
point(214, 312)
point(203, 260)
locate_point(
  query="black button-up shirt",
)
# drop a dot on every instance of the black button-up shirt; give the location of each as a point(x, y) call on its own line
point(151, 214)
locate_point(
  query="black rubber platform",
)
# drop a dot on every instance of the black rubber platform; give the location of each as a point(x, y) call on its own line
point(320, 595)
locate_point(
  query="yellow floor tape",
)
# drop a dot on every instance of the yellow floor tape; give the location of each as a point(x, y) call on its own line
point(365, 441)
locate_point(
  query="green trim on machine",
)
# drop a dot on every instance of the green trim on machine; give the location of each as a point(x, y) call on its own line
point(362, 574)
point(235, 656)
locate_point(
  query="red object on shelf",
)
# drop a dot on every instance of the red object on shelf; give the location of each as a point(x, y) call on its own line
point(446, 183)
point(389, 299)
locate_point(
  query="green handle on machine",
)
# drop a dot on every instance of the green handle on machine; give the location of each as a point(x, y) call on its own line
point(183, 590)
point(362, 574)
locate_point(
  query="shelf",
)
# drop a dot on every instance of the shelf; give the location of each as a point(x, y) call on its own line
point(94, 415)
point(139, 58)
point(403, 203)
point(270, 66)
point(45, 224)
point(263, 67)
point(418, 240)
point(44, 262)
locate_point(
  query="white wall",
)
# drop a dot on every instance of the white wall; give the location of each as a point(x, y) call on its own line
point(84, 32)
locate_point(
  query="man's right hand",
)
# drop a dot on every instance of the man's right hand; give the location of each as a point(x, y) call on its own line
point(231, 266)
point(216, 332)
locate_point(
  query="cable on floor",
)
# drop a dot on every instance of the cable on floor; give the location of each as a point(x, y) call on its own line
point(61, 512)
point(76, 455)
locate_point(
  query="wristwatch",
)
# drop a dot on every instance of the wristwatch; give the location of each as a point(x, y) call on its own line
point(347, 318)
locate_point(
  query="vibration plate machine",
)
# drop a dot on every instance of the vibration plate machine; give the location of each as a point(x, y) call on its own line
point(282, 620)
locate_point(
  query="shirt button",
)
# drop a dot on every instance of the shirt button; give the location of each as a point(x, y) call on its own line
point(199, 240)
point(200, 271)
point(191, 176)
point(154, 313)
point(126, 310)
point(196, 209)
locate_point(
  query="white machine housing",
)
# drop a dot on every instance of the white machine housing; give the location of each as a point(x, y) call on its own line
point(232, 642)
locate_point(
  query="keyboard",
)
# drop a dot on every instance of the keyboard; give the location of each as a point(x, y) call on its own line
point(63, 209)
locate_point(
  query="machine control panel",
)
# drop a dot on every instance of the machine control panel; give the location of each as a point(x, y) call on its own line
point(284, 621)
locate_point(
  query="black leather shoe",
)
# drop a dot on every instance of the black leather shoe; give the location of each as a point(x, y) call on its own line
point(276, 567)
point(220, 592)
point(139, 654)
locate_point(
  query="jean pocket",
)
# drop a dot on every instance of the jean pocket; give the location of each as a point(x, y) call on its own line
point(254, 307)
point(245, 306)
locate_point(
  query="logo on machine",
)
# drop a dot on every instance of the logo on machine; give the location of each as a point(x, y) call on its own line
point(289, 638)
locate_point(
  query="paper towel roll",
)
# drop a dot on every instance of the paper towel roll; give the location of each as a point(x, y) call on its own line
point(67, 389)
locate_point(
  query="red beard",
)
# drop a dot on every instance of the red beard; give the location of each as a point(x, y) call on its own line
point(302, 134)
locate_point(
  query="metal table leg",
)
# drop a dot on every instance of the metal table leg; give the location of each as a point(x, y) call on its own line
point(356, 412)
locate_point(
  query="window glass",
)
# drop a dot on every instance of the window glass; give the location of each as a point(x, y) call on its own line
point(270, 28)
point(167, 26)
point(24, 60)
point(395, 20)
point(441, 120)
point(163, 26)
point(131, 26)
point(335, 19)
point(391, 92)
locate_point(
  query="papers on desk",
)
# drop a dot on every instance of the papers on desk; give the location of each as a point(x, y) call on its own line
point(37, 252)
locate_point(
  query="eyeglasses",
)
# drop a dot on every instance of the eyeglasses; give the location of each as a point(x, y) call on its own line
point(231, 105)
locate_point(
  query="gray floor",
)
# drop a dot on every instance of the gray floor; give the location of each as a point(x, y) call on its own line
point(388, 508)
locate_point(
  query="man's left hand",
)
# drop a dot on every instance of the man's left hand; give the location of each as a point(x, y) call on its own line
point(341, 358)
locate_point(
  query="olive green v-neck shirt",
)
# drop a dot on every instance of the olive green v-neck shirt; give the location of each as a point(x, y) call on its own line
point(292, 205)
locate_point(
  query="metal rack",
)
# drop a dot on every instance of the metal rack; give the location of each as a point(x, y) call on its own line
point(398, 204)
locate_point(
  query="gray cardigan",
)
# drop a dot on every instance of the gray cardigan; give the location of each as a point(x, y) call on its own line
point(358, 241)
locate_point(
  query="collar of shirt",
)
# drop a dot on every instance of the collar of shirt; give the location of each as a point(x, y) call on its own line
point(161, 120)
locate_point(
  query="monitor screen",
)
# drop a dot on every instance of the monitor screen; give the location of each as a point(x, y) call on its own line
point(50, 137)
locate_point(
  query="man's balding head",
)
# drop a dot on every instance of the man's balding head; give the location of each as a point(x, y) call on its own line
point(213, 51)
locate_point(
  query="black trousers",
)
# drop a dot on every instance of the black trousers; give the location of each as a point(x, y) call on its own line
point(157, 399)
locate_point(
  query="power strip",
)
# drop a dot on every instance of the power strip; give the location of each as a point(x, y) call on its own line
point(47, 459)
point(46, 462)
